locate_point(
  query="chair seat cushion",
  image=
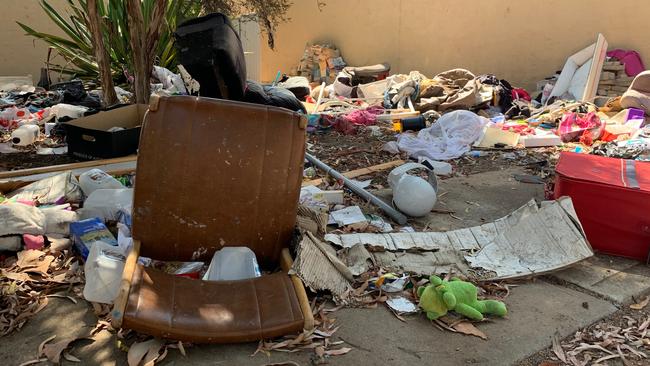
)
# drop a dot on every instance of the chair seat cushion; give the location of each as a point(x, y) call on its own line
point(178, 308)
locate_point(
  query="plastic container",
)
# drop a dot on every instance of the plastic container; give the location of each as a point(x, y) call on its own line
point(67, 111)
point(106, 204)
point(233, 263)
point(103, 270)
point(414, 123)
point(25, 135)
point(95, 179)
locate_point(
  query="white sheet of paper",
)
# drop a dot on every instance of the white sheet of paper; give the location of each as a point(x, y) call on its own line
point(347, 216)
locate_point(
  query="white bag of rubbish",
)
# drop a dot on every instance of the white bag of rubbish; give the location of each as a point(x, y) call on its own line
point(449, 138)
point(58, 188)
point(413, 195)
point(107, 203)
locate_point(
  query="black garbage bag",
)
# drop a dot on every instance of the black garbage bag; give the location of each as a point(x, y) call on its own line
point(210, 50)
point(272, 95)
point(74, 93)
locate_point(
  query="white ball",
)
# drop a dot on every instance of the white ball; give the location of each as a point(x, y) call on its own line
point(414, 196)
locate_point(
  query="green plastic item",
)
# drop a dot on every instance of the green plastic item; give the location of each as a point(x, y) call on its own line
point(437, 298)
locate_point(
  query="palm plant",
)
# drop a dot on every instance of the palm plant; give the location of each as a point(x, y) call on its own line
point(77, 47)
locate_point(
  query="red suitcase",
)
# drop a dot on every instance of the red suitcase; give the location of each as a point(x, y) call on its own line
point(612, 200)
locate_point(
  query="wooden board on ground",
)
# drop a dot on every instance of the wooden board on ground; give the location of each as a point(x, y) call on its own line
point(360, 172)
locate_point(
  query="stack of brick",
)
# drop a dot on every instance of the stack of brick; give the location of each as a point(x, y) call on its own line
point(321, 62)
point(613, 80)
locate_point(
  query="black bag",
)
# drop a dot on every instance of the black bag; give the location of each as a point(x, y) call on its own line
point(272, 95)
point(210, 50)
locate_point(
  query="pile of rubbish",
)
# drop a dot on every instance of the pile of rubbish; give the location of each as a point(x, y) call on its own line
point(33, 118)
point(455, 112)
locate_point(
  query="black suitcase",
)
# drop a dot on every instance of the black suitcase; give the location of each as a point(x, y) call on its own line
point(210, 50)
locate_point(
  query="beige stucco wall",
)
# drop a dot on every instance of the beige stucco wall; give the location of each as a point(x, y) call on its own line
point(19, 54)
point(519, 40)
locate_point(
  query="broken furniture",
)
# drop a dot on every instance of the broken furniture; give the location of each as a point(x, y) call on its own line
point(581, 72)
point(214, 173)
point(638, 95)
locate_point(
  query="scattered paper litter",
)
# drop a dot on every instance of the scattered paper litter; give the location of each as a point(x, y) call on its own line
point(348, 216)
point(52, 150)
point(401, 305)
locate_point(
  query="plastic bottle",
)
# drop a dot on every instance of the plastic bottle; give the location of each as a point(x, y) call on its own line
point(103, 270)
point(95, 179)
point(477, 153)
point(25, 135)
point(233, 263)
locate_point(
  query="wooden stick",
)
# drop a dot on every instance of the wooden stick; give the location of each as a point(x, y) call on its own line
point(64, 167)
point(125, 286)
point(287, 263)
point(359, 172)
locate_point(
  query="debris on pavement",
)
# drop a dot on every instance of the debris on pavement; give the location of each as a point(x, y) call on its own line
point(498, 250)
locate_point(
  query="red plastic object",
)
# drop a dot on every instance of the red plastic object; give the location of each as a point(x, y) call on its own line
point(612, 200)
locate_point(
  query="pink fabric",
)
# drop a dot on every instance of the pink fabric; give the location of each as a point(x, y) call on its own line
point(574, 125)
point(631, 59)
point(33, 241)
point(348, 123)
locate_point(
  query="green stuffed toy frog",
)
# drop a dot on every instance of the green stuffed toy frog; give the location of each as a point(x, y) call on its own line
point(441, 296)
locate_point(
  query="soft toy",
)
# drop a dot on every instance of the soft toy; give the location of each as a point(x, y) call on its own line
point(441, 296)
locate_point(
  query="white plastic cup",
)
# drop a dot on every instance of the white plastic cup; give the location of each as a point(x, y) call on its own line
point(233, 263)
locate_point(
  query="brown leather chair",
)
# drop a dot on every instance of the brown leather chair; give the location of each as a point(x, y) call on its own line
point(214, 173)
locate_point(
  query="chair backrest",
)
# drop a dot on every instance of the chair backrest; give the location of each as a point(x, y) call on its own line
point(214, 173)
point(641, 82)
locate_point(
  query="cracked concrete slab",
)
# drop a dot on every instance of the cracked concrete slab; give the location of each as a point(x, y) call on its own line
point(614, 278)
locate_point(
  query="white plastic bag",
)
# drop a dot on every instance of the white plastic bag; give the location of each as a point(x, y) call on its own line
point(449, 138)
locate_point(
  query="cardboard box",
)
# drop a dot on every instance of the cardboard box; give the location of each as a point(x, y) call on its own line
point(88, 232)
point(90, 138)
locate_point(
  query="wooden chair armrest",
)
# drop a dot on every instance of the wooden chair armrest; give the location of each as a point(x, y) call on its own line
point(119, 305)
point(286, 263)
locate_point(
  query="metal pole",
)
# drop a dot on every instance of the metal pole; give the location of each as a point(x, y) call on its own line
point(393, 213)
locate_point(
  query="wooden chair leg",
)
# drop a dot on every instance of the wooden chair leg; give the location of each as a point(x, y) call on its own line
point(287, 263)
point(119, 305)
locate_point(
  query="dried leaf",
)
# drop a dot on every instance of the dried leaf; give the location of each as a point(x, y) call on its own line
point(70, 357)
point(557, 348)
point(29, 258)
point(469, 329)
point(53, 351)
point(138, 351)
point(182, 349)
point(40, 346)
point(641, 305)
point(33, 362)
point(63, 297)
point(338, 352)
